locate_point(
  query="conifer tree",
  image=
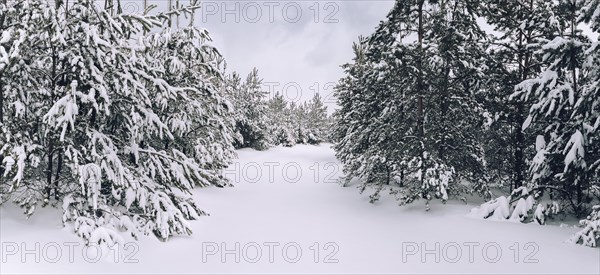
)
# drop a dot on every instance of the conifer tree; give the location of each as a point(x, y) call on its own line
point(415, 75)
point(115, 126)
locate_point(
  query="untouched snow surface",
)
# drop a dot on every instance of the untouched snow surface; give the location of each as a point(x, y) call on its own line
point(284, 201)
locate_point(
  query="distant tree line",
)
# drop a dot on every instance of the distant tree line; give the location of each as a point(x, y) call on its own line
point(263, 120)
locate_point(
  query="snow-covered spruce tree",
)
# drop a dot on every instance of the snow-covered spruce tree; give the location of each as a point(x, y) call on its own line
point(317, 120)
point(588, 106)
point(587, 110)
point(521, 25)
point(350, 118)
point(564, 161)
point(590, 234)
point(250, 106)
point(564, 115)
point(298, 117)
point(454, 109)
point(18, 21)
point(280, 122)
point(233, 87)
point(106, 133)
point(413, 77)
point(290, 123)
point(202, 115)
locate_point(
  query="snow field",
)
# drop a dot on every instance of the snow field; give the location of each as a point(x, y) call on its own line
point(286, 214)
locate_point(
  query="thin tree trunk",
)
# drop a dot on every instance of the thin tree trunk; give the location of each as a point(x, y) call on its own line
point(177, 18)
point(2, 17)
point(517, 124)
point(444, 111)
point(388, 173)
point(49, 168)
point(170, 15)
point(519, 138)
point(1, 101)
point(58, 170)
point(420, 85)
point(50, 134)
point(193, 13)
point(1, 120)
point(519, 155)
point(420, 112)
point(575, 92)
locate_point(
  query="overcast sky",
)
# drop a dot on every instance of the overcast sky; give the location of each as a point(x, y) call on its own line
point(297, 50)
point(297, 46)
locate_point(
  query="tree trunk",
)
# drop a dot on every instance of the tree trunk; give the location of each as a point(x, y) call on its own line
point(1, 121)
point(444, 105)
point(420, 75)
point(519, 144)
point(177, 16)
point(524, 60)
point(1, 101)
point(2, 17)
point(170, 15)
point(49, 168)
point(420, 85)
point(58, 170)
point(575, 92)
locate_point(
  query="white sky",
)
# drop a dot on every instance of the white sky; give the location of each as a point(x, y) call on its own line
point(296, 54)
point(297, 46)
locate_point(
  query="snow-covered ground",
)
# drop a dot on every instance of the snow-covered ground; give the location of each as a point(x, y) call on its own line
point(286, 214)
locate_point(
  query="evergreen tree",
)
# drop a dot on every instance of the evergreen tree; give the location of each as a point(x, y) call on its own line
point(281, 128)
point(250, 111)
point(116, 130)
point(562, 162)
point(587, 111)
point(316, 120)
point(414, 76)
point(522, 25)
point(558, 80)
point(296, 115)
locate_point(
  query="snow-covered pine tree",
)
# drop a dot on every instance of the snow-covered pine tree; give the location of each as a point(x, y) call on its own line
point(455, 113)
point(587, 112)
point(308, 119)
point(590, 234)
point(17, 45)
point(562, 90)
point(381, 103)
point(250, 106)
point(280, 122)
point(201, 116)
point(94, 122)
point(350, 117)
point(567, 150)
point(411, 78)
point(521, 24)
point(233, 87)
point(317, 123)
